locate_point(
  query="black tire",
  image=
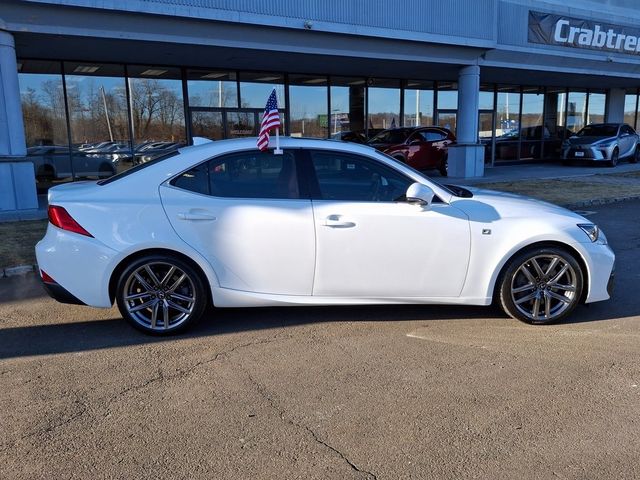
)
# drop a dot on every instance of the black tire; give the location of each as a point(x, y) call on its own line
point(105, 170)
point(614, 158)
point(160, 295)
point(443, 168)
point(45, 174)
point(636, 156)
point(557, 302)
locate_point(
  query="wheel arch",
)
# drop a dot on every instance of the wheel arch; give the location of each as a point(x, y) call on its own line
point(496, 278)
point(122, 265)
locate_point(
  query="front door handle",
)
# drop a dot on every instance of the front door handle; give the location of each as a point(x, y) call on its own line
point(336, 221)
point(196, 216)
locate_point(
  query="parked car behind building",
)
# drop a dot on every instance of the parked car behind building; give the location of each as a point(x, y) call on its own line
point(422, 148)
point(605, 142)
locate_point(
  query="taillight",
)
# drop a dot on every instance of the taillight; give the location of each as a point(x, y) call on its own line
point(46, 278)
point(59, 217)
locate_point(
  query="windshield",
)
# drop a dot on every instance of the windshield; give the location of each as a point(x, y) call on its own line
point(398, 135)
point(395, 161)
point(137, 168)
point(599, 131)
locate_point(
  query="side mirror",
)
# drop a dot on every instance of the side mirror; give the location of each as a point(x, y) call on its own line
point(419, 194)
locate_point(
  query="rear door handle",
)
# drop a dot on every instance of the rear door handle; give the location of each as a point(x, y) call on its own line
point(193, 216)
point(336, 221)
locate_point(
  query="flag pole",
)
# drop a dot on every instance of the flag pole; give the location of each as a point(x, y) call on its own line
point(278, 150)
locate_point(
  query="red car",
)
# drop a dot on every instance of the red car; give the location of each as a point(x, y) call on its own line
point(422, 148)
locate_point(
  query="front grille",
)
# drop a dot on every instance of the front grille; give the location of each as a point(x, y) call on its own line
point(586, 153)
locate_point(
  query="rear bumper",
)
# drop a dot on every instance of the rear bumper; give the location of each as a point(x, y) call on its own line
point(60, 294)
point(81, 267)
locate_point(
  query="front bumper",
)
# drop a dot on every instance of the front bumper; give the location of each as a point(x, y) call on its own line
point(587, 152)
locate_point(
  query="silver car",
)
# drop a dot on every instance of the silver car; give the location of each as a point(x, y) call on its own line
point(603, 142)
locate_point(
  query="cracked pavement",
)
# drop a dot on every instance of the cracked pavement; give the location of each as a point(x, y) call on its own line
point(383, 392)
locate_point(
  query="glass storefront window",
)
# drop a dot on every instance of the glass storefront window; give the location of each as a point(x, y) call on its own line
point(447, 96)
point(308, 106)
point(485, 120)
point(98, 111)
point(346, 116)
point(383, 104)
point(507, 124)
point(576, 110)
point(255, 89)
point(447, 115)
point(212, 88)
point(597, 102)
point(418, 104)
point(630, 108)
point(45, 121)
point(532, 130)
point(157, 111)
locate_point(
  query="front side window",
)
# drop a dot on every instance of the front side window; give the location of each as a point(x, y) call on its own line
point(252, 174)
point(348, 177)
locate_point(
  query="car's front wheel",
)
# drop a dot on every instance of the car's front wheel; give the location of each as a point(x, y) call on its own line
point(614, 158)
point(541, 285)
point(161, 295)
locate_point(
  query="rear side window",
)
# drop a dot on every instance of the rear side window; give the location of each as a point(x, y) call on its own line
point(252, 174)
point(432, 135)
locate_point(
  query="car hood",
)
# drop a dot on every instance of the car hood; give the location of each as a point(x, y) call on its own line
point(490, 205)
point(588, 140)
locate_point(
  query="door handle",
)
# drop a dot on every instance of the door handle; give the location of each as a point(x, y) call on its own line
point(335, 221)
point(193, 216)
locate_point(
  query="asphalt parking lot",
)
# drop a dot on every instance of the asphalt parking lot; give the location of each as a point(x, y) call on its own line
point(355, 392)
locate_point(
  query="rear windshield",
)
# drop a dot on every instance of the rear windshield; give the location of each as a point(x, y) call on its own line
point(137, 168)
point(599, 131)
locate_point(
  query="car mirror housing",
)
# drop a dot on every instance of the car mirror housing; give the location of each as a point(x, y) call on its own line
point(419, 194)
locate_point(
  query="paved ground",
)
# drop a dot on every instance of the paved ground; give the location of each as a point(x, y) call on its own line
point(338, 393)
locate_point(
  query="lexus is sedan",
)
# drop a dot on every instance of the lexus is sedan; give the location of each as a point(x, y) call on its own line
point(603, 142)
point(323, 223)
point(422, 148)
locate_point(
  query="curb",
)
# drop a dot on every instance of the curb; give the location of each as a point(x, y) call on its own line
point(600, 201)
point(19, 270)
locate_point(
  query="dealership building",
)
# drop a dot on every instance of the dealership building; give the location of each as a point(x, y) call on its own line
point(88, 86)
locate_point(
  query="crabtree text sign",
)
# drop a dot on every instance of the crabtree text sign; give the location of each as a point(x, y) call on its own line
point(551, 29)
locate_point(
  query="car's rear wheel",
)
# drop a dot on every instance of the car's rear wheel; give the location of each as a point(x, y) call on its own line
point(614, 158)
point(636, 156)
point(541, 285)
point(45, 174)
point(161, 295)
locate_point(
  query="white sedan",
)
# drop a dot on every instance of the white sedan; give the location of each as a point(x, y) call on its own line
point(325, 223)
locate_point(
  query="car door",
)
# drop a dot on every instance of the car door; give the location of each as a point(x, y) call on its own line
point(371, 243)
point(244, 213)
point(627, 141)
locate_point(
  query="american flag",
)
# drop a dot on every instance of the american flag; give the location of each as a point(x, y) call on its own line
point(270, 119)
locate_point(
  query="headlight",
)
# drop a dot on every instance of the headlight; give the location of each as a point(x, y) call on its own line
point(605, 144)
point(592, 231)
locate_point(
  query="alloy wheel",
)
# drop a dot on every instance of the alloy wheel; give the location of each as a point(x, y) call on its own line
point(544, 287)
point(159, 296)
